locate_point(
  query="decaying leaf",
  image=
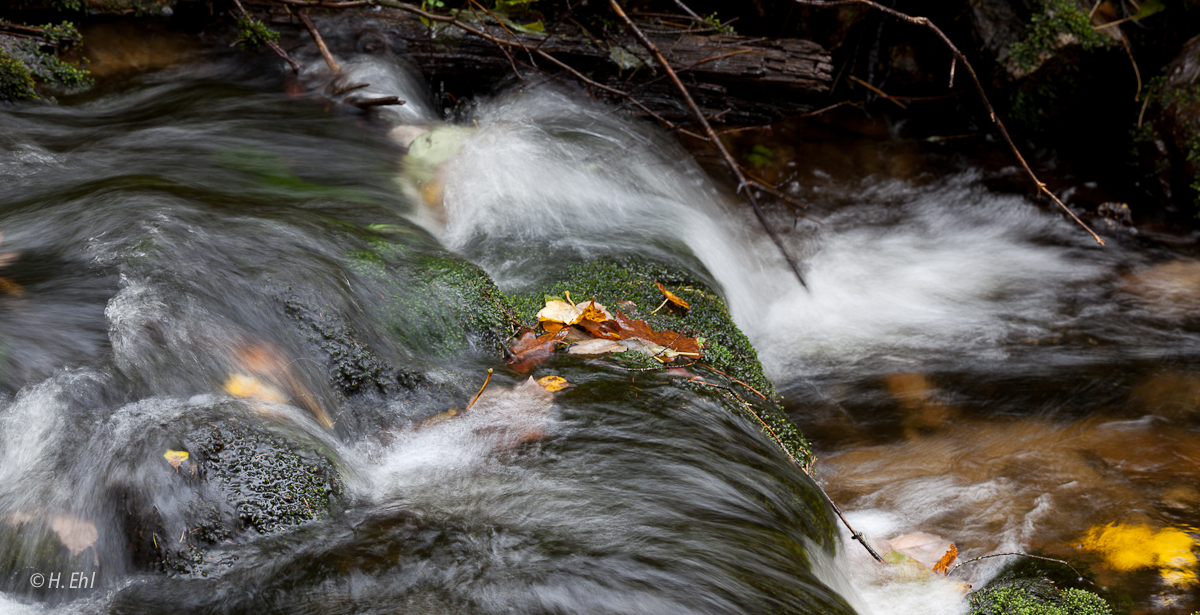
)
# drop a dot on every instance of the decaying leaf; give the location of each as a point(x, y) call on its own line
point(531, 349)
point(596, 346)
point(672, 297)
point(76, 534)
point(942, 566)
point(558, 314)
point(7, 285)
point(175, 458)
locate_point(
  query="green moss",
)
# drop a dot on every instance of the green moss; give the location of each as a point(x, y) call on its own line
point(16, 82)
point(254, 34)
point(1036, 599)
point(436, 305)
point(631, 289)
point(1058, 17)
point(24, 63)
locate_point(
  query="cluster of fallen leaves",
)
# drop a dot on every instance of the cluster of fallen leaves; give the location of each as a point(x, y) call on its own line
point(592, 329)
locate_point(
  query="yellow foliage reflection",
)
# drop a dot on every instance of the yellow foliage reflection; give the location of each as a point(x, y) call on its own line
point(1132, 547)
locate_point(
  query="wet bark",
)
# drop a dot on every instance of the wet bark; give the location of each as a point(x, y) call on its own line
point(738, 79)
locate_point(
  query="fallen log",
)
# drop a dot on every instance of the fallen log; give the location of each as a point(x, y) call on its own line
point(733, 79)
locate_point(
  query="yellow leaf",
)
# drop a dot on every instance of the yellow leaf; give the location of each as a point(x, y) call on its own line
point(1132, 547)
point(553, 383)
point(595, 312)
point(175, 458)
point(249, 387)
point(673, 298)
point(946, 561)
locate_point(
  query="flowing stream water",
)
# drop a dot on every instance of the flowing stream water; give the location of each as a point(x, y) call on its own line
point(969, 367)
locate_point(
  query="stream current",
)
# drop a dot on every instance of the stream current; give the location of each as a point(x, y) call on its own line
point(969, 367)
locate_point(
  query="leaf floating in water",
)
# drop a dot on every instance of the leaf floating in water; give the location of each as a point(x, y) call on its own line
point(553, 383)
point(249, 387)
point(76, 534)
point(946, 561)
point(175, 458)
point(273, 380)
point(531, 349)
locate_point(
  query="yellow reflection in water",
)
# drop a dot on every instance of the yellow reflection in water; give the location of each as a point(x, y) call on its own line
point(1132, 547)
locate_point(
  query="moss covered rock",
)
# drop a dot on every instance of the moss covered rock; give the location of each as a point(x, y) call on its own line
point(1036, 598)
point(239, 480)
point(632, 289)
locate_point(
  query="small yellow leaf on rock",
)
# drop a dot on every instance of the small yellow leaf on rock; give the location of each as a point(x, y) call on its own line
point(595, 312)
point(673, 298)
point(175, 458)
point(553, 383)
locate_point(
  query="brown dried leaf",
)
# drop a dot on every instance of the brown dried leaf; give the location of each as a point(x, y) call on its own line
point(531, 349)
point(947, 559)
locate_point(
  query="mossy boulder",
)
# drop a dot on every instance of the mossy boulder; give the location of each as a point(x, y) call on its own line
point(632, 289)
point(1032, 597)
point(239, 480)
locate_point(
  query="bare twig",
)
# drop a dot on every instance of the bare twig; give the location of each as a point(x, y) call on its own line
point(923, 21)
point(476, 398)
point(878, 91)
point(1048, 559)
point(503, 49)
point(856, 535)
point(316, 35)
point(712, 136)
point(1136, 73)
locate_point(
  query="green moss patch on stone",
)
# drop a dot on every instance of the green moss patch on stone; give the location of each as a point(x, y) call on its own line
point(1031, 598)
point(437, 306)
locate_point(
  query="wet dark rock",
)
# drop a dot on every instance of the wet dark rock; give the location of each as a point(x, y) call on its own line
point(239, 481)
point(1167, 134)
